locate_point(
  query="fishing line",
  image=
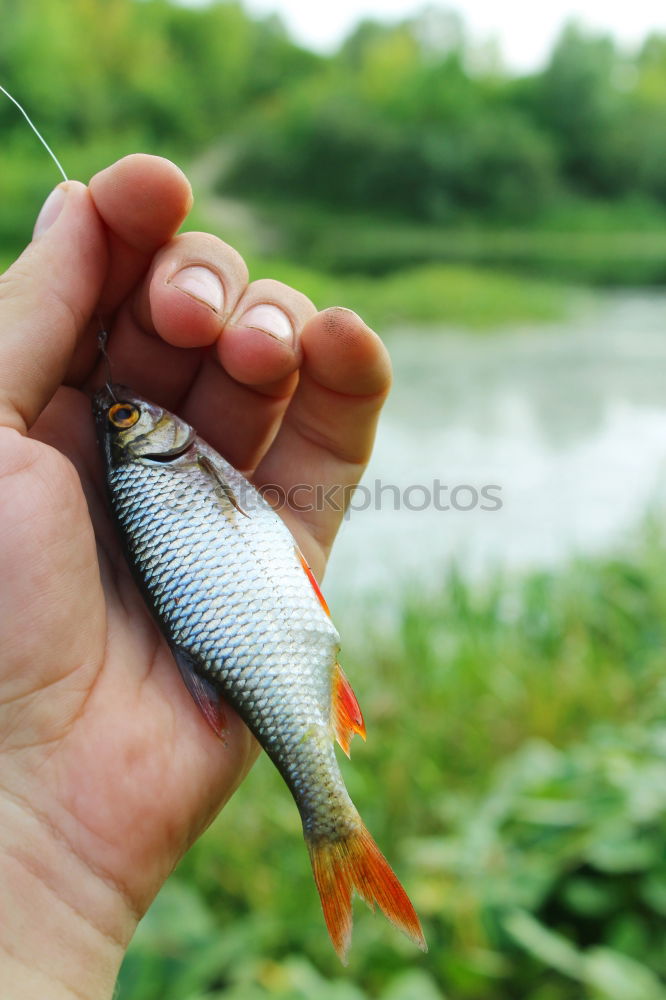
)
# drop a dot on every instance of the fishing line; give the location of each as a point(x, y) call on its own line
point(102, 336)
point(36, 131)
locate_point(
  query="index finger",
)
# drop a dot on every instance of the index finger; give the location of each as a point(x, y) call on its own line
point(142, 201)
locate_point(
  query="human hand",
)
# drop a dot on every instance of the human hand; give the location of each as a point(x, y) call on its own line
point(107, 770)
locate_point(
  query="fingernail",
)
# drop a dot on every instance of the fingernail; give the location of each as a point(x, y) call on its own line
point(271, 320)
point(202, 284)
point(49, 211)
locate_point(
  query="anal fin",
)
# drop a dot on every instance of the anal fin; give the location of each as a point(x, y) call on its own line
point(205, 694)
point(347, 717)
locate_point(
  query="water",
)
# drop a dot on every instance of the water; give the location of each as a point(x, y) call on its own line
point(567, 422)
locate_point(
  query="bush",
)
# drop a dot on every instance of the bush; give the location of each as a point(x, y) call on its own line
point(342, 153)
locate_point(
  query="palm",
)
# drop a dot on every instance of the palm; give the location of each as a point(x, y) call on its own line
point(117, 758)
point(136, 771)
point(136, 766)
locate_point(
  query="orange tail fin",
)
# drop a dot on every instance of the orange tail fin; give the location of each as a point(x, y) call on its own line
point(355, 862)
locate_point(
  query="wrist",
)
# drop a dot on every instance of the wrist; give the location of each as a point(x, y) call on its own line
point(64, 928)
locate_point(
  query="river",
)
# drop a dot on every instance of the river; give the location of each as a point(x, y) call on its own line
point(558, 431)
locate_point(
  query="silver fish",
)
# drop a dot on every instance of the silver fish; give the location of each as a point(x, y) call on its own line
point(246, 622)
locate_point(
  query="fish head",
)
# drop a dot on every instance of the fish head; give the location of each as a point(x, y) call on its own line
point(130, 428)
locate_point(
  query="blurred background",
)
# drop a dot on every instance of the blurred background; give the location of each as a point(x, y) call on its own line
point(487, 187)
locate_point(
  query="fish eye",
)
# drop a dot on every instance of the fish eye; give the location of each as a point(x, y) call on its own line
point(124, 415)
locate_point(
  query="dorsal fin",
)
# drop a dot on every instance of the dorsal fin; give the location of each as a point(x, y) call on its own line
point(346, 715)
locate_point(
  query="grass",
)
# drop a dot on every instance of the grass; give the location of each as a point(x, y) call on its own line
point(515, 774)
point(578, 241)
point(435, 295)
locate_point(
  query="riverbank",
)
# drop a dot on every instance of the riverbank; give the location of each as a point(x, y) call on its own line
point(390, 271)
point(469, 296)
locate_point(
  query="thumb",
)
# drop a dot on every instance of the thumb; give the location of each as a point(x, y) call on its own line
point(46, 300)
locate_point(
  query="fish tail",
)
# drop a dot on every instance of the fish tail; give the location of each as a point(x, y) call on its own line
point(354, 862)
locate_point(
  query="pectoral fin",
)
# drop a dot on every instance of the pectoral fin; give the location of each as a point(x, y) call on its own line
point(204, 693)
point(224, 487)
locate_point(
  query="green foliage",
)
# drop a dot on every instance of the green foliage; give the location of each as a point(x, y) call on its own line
point(580, 100)
point(168, 72)
point(515, 773)
point(409, 145)
point(401, 125)
point(454, 296)
point(340, 153)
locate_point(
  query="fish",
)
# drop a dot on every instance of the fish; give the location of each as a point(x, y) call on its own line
point(247, 625)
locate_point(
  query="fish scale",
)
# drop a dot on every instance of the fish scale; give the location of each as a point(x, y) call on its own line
point(246, 622)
